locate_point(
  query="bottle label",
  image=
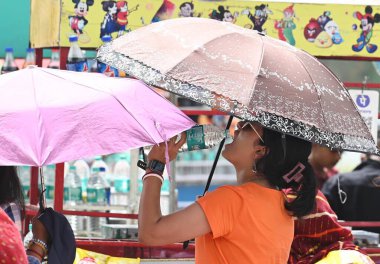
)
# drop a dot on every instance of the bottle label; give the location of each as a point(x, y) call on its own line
point(195, 138)
point(107, 70)
point(49, 192)
point(122, 185)
point(72, 194)
point(96, 195)
point(80, 66)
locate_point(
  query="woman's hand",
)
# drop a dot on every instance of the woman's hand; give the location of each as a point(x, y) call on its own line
point(39, 231)
point(158, 151)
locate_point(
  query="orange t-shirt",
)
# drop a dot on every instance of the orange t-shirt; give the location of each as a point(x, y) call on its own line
point(249, 224)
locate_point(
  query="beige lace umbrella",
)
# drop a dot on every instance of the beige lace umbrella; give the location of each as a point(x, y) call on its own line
point(244, 73)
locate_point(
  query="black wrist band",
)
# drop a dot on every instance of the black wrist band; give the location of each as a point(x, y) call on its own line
point(156, 166)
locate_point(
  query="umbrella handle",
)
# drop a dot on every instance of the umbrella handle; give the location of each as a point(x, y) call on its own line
point(217, 158)
point(186, 243)
point(42, 201)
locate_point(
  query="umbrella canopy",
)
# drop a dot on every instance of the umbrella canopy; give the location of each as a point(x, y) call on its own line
point(49, 116)
point(245, 73)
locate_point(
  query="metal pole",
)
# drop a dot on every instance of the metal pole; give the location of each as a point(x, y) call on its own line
point(134, 174)
point(43, 189)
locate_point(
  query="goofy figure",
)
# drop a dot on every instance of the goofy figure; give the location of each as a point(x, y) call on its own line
point(367, 22)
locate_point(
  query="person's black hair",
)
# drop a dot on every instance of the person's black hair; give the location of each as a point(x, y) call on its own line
point(10, 188)
point(284, 153)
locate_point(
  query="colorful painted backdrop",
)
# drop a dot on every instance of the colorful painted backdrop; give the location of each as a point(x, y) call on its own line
point(322, 30)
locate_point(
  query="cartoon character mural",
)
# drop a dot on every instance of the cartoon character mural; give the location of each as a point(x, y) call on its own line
point(109, 24)
point(332, 29)
point(323, 40)
point(78, 22)
point(312, 30)
point(259, 17)
point(223, 14)
point(323, 31)
point(122, 16)
point(186, 9)
point(164, 12)
point(367, 22)
point(324, 19)
point(286, 26)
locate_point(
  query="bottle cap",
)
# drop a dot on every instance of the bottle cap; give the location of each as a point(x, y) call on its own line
point(102, 169)
point(72, 167)
point(106, 39)
point(29, 50)
point(73, 38)
point(8, 49)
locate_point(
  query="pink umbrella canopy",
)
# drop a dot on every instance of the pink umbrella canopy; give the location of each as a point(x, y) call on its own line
point(49, 116)
point(245, 73)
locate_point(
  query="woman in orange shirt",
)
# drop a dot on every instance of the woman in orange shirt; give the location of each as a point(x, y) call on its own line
point(250, 222)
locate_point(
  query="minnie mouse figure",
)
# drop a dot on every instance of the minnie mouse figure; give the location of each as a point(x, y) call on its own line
point(367, 22)
point(78, 22)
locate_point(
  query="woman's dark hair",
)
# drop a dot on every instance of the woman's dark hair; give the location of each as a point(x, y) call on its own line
point(285, 152)
point(10, 188)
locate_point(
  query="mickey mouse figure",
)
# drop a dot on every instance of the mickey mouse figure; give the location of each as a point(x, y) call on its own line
point(78, 22)
point(367, 22)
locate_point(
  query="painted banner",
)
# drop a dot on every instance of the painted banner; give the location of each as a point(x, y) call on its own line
point(320, 29)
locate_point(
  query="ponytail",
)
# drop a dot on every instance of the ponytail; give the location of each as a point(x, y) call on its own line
point(284, 156)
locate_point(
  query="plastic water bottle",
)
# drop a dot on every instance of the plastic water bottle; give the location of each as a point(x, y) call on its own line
point(28, 236)
point(76, 61)
point(49, 174)
point(23, 173)
point(105, 68)
point(203, 137)
point(30, 58)
point(107, 188)
point(96, 195)
point(94, 65)
point(99, 163)
point(73, 197)
point(9, 62)
point(122, 182)
point(54, 60)
point(83, 171)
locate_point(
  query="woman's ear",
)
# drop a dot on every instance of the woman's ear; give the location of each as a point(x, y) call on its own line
point(261, 151)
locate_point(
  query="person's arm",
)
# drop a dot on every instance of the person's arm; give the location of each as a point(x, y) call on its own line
point(36, 251)
point(156, 229)
point(330, 191)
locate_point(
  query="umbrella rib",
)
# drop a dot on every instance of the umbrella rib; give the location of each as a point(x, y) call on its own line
point(39, 122)
point(105, 92)
point(349, 97)
point(258, 68)
point(319, 97)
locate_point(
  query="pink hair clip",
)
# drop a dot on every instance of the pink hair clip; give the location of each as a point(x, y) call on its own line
point(295, 175)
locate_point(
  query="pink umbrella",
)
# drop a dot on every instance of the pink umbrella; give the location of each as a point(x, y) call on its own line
point(50, 116)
